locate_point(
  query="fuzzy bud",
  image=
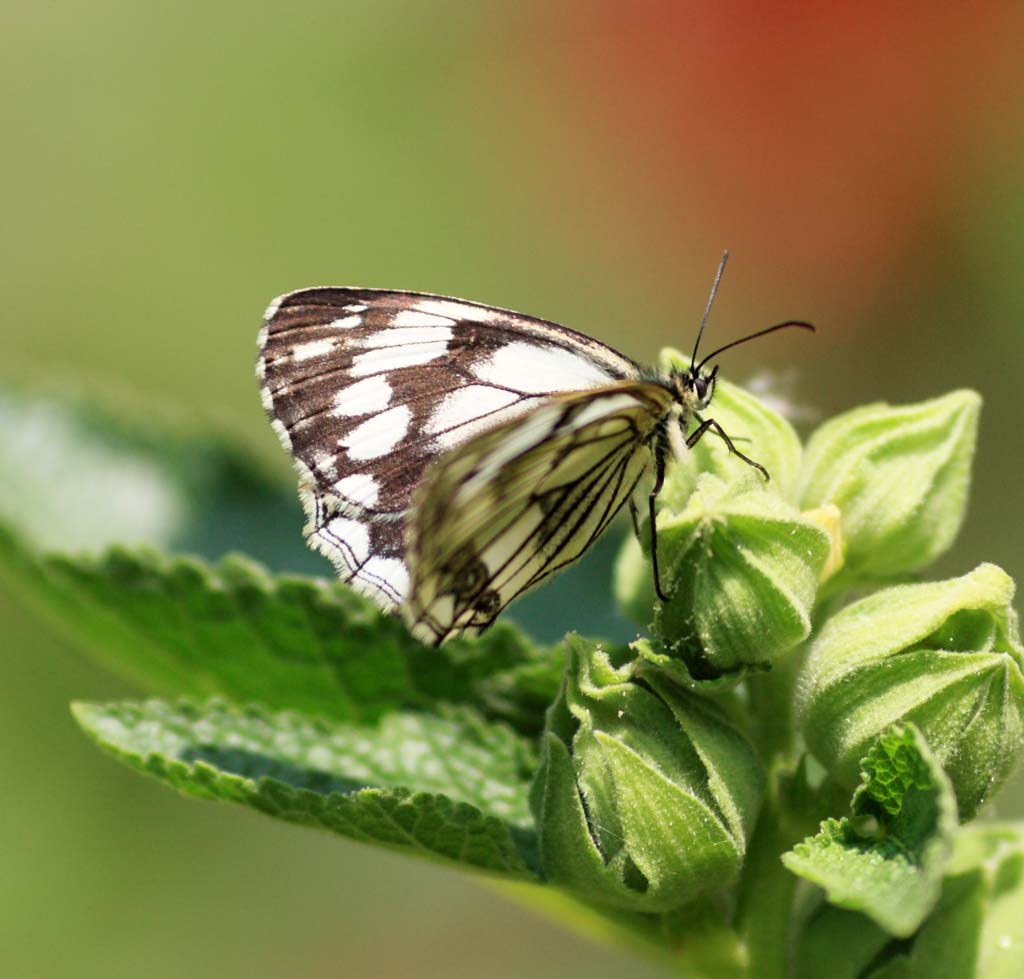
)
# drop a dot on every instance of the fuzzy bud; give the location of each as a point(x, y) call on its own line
point(646, 793)
point(945, 656)
point(899, 476)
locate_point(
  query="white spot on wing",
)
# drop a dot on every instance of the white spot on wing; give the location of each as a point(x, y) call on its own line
point(455, 310)
point(456, 436)
point(355, 308)
point(346, 322)
point(359, 488)
point(326, 464)
point(378, 435)
point(535, 369)
point(468, 403)
point(261, 337)
point(314, 348)
point(412, 317)
point(401, 336)
point(363, 397)
point(390, 359)
point(469, 410)
point(351, 533)
point(391, 571)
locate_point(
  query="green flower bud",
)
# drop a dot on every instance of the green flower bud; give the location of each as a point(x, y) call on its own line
point(945, 656)
point(645, 794)
point(899, 476)
point(741, 569)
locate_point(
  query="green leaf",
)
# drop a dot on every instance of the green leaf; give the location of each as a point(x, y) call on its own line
point(888, 861)
point(176, 626)
point(447, 787)
point(976, 930)
point(76, 477)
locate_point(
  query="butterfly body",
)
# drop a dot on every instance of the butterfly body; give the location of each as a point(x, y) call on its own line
point(453, 455)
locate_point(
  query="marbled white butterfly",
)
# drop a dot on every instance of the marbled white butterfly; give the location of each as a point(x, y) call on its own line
point(451, 456)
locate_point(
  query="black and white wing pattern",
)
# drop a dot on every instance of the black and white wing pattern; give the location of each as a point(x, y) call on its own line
point(366, 388)
point(523, 500)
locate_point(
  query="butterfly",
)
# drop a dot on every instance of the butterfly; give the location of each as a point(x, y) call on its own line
point(451, 455)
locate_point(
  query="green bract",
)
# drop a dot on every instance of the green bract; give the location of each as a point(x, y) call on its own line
point(645, 793)
point(899, 476)
point(946, 656)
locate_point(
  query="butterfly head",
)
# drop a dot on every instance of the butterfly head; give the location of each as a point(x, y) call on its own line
point(694, 388)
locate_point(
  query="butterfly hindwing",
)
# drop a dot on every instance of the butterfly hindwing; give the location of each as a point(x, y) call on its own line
point(366, 388)
point(518, 503)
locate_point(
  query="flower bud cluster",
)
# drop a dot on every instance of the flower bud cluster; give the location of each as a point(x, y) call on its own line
point(647, 790)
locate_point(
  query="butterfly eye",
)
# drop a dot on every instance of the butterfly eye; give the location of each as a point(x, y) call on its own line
point(700, 386)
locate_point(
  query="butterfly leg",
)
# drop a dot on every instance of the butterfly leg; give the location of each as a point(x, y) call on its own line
point(710, 423)
point(659, 480)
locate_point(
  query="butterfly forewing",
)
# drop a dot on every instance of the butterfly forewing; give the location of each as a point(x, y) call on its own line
point(513, 506)
point(366, 388)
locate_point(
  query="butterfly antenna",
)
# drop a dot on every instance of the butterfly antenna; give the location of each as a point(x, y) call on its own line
point(707, 309)
point(753, 336)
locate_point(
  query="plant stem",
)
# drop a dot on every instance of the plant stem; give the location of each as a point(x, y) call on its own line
point(766, 895)
point(771, 706)
point(703, 944)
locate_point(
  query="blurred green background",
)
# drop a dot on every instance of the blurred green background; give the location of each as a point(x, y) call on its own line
point(168, 168)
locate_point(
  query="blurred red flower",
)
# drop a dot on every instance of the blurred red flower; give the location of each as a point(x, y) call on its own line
point(832, 139)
